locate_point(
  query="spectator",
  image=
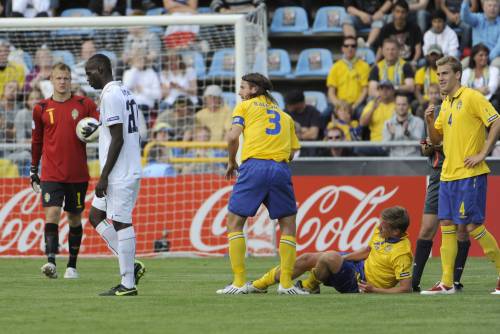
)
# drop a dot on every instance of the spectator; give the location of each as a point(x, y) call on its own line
point(143, 81)
point(419, 13)
point(427, 75)
point(141, 38)
point(442, 35)
point(23, 117)
point(479, 75)
point(9, 71)
point(365, 14)
point(203, 134)
point(391, 68)
point(434, 95)
point(451, 8)
point(8, 108)
point(348, 77)
point(485, 27)
point(403, 126)
point(158, 159)
point(78, 76)
point(406, 33)
point(216, 115)
point(42, 69)
point(108, 7)
point(336, 134)
point(379, 110)
point(342, 119)
point(235, 6)
point(177, 79)
point(31, 8)
point(180, 117)
point(308, 117)
point(180, 36)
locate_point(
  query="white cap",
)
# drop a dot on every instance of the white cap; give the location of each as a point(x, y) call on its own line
point(213, 90)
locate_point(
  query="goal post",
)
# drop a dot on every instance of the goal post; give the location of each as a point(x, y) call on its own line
point(181, 213)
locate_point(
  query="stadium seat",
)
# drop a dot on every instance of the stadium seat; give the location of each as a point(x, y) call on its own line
point(314, 63)
point(279, 99)
point(94, 168)
point(157, 11)
point(205, 10)
point(278, 63)
point(75, 12)
point(329, 19)
point(316, 99)
point(289, 20)
point(222, 64)
point(8, 169)
point(366, 54)
point(63, 56)
point(229, 99)
point(195, 60)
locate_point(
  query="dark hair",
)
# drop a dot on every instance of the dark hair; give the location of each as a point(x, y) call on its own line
point(401, 3)
point(294, 96)
point(397, 217)
point(438, 14)
point(100, 60)
point(184, 101)
point(391, 40)
point(263, 84)
point(475, 50)
point(402, 93)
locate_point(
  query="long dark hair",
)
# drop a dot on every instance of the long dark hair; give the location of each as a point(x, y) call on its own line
point(263, 84)
point(475, 50)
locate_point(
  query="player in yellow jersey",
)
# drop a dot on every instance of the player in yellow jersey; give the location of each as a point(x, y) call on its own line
point(461, 125)
point(269, 143)
point(384, 266)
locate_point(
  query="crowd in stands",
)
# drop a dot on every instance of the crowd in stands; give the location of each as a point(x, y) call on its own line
point(380, 99)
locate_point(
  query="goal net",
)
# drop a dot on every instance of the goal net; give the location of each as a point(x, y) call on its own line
point(184, 71)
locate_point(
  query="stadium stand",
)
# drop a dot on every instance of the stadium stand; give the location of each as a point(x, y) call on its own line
point(289, 20)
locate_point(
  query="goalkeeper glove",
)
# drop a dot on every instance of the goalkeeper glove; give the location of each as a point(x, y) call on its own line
point(89, 129)
point(35, 179)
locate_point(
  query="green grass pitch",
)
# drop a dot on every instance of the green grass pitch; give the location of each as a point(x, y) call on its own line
point(178, 296)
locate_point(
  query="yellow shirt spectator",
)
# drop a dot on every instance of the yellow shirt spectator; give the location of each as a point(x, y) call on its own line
point(424, 77)
point(349, 79)
point(11, 72)
point(218, 121)
point(382, 114)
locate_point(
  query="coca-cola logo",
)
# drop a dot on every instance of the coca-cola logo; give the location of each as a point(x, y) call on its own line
point(349, 233)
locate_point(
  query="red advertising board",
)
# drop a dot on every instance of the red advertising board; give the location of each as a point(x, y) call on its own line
point(335, 213)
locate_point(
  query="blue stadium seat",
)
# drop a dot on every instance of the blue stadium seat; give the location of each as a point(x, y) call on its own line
point(195, 59)
point(205, 10)
point(28, 60)
point(278, 63)
point(75, 12)
point(366, 54)
point(229, 99)
point(289, 20)
point(63, 56)
point(329, 19)
point(279, 99)
point(156, 11)
point(222, 64)
point(316, 99)
point(314, 63)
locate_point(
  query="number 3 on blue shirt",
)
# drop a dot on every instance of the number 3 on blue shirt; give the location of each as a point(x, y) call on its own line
point(274, 120)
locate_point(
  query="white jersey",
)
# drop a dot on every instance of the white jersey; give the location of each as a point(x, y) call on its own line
point(116, 106)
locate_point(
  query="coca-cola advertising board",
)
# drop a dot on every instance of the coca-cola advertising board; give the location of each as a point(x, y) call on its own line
point(334, 213)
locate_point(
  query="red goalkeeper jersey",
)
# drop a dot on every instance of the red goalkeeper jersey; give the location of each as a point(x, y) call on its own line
point(54, 140)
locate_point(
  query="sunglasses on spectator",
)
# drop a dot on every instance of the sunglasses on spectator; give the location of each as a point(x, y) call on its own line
point(350, 46)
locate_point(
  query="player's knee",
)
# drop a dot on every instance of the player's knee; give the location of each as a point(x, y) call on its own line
point(426, 233)
point(74, 220)
point(96, 216)
point(462, 233)
point(332, 261)
point(307, 260)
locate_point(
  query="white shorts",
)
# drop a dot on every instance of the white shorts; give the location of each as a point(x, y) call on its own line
point(119, 201)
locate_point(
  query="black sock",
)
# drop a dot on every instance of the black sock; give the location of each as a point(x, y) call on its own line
point(74, 241)
point(463, 252)
point(422, 253)
point(51, 241)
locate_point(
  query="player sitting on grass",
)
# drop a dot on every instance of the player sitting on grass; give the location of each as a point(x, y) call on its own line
point(379, 267)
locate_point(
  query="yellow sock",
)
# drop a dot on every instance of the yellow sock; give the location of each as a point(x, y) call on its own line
point(488, 244)
point(449, 249)
point(311, 282)
point(237, 249)
point(267, 279)
point(287, 256)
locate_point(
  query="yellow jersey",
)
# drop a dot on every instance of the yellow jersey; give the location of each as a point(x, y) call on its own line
point(219, 122)
point(349, 79)
point(463, 120)
point(389, 261)
point(424, 77)
point(12, 72)
point(382, 114)
point(268, 132)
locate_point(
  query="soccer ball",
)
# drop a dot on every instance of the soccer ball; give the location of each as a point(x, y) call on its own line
point(85, 122)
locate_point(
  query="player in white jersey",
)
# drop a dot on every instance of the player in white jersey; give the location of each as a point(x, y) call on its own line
point(120, 160)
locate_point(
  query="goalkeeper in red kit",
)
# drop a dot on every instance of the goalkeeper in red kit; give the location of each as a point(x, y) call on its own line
point(64, 172)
